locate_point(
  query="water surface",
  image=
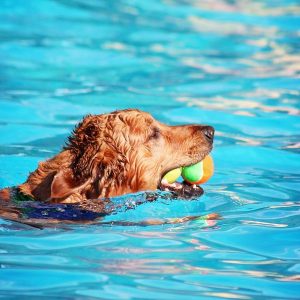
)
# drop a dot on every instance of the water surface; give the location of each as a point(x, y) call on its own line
point(231, 64)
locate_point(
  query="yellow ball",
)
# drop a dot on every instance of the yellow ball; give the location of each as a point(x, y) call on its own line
point(172, 175)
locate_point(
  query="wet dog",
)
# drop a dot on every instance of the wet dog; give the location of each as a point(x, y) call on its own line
point(113, 154)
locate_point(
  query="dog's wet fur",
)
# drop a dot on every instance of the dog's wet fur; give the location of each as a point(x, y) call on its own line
point(110, 155)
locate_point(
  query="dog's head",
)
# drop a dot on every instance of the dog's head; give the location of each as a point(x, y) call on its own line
point(127, 151)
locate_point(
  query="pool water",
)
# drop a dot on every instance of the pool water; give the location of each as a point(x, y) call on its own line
point(232, 64)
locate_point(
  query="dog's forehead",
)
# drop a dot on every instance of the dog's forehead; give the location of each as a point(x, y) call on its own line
point(135, 116)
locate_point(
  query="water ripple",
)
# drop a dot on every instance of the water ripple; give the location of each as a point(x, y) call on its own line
point(231, 64)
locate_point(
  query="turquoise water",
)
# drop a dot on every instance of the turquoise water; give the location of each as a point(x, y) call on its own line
point(232, 64)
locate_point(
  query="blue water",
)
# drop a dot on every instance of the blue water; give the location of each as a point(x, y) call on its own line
point(232, 64)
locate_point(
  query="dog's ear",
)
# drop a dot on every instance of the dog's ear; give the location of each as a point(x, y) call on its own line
point(64, 184)
point(85, 143)
point(97, 159)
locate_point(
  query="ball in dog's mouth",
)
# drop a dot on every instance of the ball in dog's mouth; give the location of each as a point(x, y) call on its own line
point(193, 175)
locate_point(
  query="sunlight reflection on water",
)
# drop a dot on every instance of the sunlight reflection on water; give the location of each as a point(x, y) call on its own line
point(231, 64)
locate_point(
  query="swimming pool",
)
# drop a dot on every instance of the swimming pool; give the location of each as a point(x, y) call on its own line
point(232, 64)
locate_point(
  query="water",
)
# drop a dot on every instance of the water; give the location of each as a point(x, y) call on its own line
point(232, 64)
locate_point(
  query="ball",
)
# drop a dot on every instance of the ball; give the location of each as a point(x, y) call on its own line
point(199, 172)
point(172, 175)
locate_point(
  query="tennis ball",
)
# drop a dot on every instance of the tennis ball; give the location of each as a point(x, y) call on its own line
point(173, 175)
point(199, 172)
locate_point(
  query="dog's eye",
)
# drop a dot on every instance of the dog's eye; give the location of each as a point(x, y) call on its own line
point(155, 134)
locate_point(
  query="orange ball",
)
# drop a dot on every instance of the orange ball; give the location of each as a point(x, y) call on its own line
point(208, 168)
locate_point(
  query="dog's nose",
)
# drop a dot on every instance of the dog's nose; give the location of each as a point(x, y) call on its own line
point(209, 133)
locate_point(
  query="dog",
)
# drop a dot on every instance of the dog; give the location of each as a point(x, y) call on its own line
point(109, 155)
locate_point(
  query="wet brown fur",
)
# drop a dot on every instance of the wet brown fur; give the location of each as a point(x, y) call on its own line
point(113, 154)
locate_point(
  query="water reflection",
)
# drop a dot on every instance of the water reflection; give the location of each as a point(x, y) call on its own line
point(232, 64)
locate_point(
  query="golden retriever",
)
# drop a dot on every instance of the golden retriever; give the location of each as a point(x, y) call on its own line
point(113, 154)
